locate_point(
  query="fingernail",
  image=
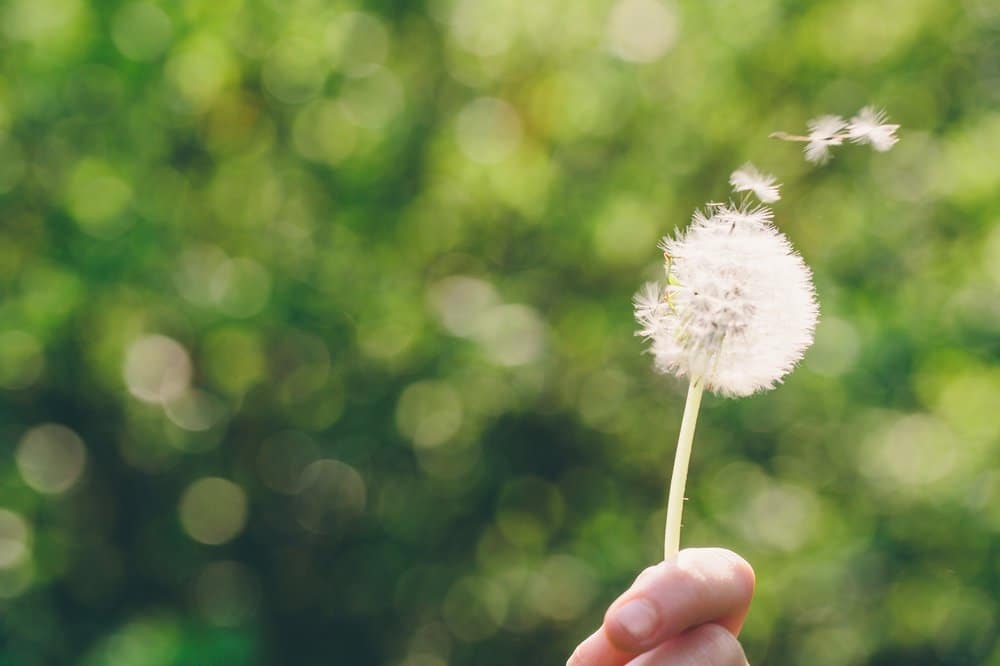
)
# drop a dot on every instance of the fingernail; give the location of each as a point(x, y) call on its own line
point(638, 618)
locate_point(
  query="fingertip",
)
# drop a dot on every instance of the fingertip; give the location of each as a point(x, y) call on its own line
point(737, 568)
point(744, 574)
point(732, 567)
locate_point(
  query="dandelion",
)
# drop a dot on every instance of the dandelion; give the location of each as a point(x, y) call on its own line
point(867, 126)
point(738, 309)
point(736, 314)
point(748, 179)
point(870, 126)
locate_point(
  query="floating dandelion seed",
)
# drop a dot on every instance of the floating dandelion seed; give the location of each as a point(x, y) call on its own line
point(748, 179)
point(736, 314)
point(824, 132)
point(867, 126)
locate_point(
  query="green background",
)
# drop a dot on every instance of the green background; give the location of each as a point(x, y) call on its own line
point(316, 344)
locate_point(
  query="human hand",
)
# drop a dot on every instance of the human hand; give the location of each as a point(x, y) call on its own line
point(684, 612)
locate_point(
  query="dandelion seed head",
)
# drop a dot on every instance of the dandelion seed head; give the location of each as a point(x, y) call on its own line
point(738, 309)
point(749, 179)
point(746, 214)
point(870, 126)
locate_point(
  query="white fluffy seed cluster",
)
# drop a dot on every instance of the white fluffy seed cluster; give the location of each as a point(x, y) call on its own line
point(869, 126)
point(738, 308)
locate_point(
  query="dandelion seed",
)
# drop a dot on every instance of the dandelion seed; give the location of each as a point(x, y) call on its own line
point(824, 132)
point(870, 126)
point(748, 179)
point(867, 126)
point(650, 309)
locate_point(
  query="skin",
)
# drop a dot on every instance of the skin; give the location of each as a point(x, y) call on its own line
point(686, 611)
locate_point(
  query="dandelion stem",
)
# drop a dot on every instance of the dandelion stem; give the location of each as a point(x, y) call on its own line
point(675, 505)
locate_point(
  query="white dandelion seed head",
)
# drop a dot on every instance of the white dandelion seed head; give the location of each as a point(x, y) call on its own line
point(824, 132)
point(870, 126)
point(738, 310)
point(749, 179)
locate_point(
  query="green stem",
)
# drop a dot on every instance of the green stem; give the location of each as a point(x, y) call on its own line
point(675, 505)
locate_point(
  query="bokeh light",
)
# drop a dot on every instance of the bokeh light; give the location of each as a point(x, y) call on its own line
point(141, 31)
point(14, 539)
point(563, 588)
point(512, 334)
point(460, 301)
point(641, 30)
point(474, 608)
point(331, 494)
point(97, 198)
point(488, 130)
point(429, 413)
point(51, 458)
point(17, 567)
point(213, 510)
point(157, 369)
point(195, 410)
point(361, 43)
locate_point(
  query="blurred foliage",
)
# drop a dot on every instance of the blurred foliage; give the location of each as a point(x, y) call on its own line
point(316, 341)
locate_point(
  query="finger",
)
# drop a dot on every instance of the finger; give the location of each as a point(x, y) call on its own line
point(597, 650)
point(708, 645)
point(701, 585)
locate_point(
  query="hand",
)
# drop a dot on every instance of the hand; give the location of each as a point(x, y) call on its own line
point(683, 612)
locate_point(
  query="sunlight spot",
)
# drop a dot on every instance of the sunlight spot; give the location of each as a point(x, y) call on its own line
point(641, 31)
point(157, 369)
point(50, 458)
point(488, 130)
point(14, 538)
point(213, 510)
